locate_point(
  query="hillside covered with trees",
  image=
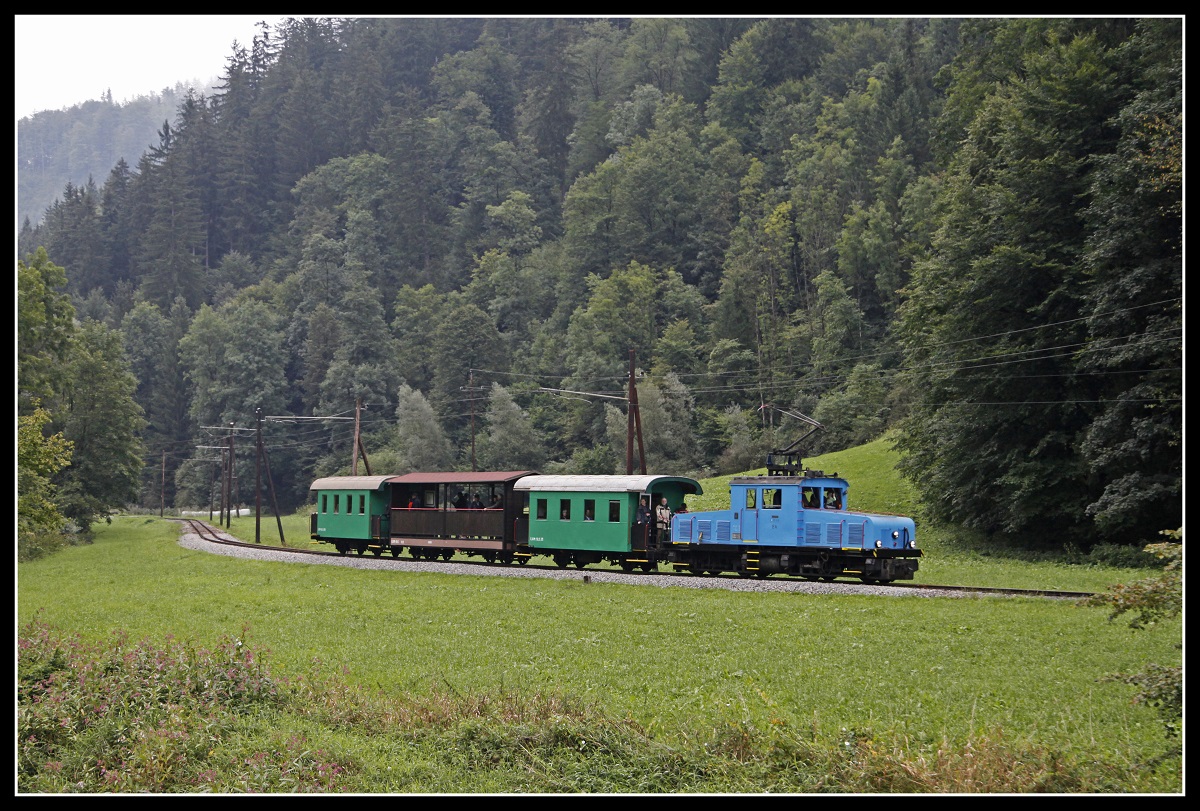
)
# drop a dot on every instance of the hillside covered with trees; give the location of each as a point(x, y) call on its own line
point(968, 232)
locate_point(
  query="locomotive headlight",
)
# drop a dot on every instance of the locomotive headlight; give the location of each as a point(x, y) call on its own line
point(879, 544)
point(895, 534)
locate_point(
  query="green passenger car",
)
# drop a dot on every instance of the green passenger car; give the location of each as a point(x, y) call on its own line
point(589, 519)
point(351, 512)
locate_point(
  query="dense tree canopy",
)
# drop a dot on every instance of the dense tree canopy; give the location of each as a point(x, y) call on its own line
point(968, 232)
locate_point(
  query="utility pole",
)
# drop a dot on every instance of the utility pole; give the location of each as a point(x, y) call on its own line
point(231, 481)
point(162, 486)
point(257, 472)
point(224, 483)
point(357, 436)
point(212, 488)
point(634, 422)
point(274, 503)
point(470, 389)
point(237, 496)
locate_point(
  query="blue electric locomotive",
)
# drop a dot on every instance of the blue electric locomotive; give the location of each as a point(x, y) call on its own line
point(794, 521)
point(797, 525)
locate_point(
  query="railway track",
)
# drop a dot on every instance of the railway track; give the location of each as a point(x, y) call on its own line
point(211, 534)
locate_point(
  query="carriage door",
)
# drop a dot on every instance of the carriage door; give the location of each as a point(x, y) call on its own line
point(750, 515)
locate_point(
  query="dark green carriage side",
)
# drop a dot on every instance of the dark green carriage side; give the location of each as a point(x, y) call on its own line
point(350, 508)
point(586, 519)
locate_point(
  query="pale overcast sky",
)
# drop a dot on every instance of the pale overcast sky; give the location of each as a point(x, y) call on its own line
point(65, 59)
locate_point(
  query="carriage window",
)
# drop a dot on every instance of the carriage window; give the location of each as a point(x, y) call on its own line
point(589, 509)
point(614, 512)
point(772, 498)
point(336, 499)
point(750, 502)
point(541, 509)
point(564, 509)
point(362, 505)
point(324, 502)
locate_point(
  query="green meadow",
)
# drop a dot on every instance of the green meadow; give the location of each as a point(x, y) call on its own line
point(147, 667)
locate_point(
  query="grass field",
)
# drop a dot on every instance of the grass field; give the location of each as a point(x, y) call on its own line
point(392, 682)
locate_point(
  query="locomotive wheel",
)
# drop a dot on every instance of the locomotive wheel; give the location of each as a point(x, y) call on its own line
point(647, 567)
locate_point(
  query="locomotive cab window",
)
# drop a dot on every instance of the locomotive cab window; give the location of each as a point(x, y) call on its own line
point(751, 498)
point(833, 498)
point(614, 512)
point(772, 498)
point(809, 498)
point(541, 509)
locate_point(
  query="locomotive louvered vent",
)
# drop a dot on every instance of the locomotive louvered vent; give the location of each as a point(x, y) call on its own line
point(722, 532)
point(684, 533)
point(705, 529)
point(812, 534)
point(855, 535)
point(833, 534)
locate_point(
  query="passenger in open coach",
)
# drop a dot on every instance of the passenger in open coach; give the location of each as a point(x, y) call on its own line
point(663, 516)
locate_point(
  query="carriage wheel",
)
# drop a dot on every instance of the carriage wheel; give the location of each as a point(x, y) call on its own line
point(562, 561)
point(626, 566)
point(396, 550)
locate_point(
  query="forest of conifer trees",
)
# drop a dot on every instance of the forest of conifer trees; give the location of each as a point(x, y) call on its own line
point(964, 234)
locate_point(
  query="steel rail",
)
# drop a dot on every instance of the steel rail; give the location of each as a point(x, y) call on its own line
point(208, 533)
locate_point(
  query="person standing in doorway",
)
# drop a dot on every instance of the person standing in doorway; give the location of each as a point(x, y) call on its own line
point(662, 515)
point(641, 522)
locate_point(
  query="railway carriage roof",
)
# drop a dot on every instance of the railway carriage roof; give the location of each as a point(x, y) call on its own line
point(349, 483)
point(605, 484)
point(461, 477)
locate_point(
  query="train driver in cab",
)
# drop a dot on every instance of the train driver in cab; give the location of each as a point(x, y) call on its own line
point(833, 498)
